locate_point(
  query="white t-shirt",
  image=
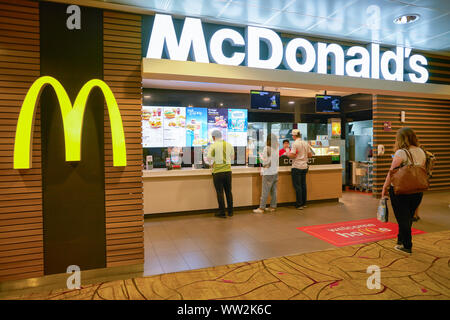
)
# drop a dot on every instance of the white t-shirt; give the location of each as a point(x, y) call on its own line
point(417, 154)
point(300, 148)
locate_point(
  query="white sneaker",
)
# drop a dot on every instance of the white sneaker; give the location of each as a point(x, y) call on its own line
point(299, 208)
point(400, 247)
point(305, 206)
point(259, 210)
point(271, 209)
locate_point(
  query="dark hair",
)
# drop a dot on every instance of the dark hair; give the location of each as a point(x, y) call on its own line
point(272, 138)
point(405, 138)
point(286, 140)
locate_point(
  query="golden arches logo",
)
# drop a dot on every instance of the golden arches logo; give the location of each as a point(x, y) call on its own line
point(72, 117)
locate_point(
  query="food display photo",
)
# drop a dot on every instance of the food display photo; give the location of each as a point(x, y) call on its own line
point(152, 130)
point(196, 126)
point(174, 123)
point(237, 127)
point(217, 120)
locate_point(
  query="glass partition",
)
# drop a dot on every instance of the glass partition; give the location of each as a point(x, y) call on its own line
point(256, 140)
point(167, 150)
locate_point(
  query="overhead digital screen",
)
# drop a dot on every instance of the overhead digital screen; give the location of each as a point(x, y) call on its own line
point(264, 100)
point(328, 104)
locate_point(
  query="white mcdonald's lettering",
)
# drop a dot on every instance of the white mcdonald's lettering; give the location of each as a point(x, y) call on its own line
point(356, 61)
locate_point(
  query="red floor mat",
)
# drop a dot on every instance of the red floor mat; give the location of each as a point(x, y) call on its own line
point(354, 232)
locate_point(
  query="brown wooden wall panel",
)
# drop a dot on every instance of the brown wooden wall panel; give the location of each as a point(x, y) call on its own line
point(430, 119)
point(124, 202)
point(21, 242)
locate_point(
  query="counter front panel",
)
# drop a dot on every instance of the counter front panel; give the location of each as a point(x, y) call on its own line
point(193, 189)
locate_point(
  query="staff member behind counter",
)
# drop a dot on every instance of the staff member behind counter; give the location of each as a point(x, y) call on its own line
point(222, 153)
point(300, 152)
point(286, 148)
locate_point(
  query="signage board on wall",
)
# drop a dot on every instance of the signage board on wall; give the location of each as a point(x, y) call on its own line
point(335, 128)
point(237, 127)
point(152, 127)
point(164, 127)
point(174, 123)
point(356, 61)
point(196, 127)
point(217, 120)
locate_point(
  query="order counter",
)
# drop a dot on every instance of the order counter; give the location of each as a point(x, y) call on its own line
point(189, 189)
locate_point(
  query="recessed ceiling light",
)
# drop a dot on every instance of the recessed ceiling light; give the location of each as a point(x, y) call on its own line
point(206, 99)
point(221, 104)
point(407, 18)
point(291, 102)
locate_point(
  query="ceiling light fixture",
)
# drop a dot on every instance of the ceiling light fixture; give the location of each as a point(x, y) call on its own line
point(291, 102)
point(407, 18)
point(206, 99)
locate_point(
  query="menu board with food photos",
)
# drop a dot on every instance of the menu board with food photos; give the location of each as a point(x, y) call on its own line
point(237, 127)
point(164, 126)
point(152, 127)
point(174, 127)
point(217, 120)
point(196, 127)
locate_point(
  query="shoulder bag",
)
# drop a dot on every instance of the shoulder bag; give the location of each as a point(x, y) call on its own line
point(409, 179)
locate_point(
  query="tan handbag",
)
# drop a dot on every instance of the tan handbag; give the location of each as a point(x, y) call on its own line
point(409, 178)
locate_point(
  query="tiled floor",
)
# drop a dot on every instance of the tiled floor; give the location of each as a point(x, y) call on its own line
point(196, 241)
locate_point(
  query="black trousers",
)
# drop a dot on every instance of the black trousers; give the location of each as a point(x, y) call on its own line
point(222, 182)
point(404, 206)
point(299, 182)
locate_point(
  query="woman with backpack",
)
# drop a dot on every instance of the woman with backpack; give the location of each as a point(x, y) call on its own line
point(407, 153)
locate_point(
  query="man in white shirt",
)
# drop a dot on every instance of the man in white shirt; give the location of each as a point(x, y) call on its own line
point(299, 152)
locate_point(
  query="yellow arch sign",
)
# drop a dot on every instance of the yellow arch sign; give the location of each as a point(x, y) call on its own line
point(72, 121)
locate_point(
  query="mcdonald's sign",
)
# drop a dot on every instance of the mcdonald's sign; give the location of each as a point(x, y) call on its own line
point(72, 117)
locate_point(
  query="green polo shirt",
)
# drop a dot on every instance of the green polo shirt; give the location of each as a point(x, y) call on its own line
point(222, 153)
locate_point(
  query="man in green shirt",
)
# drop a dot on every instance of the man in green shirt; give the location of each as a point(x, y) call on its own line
point(222, 153)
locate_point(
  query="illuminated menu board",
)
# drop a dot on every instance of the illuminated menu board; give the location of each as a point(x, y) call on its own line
point(237, 127)
point(164, 126)
point(196, 127)
point(217, 120)
point(174, 124)
point(152, 127)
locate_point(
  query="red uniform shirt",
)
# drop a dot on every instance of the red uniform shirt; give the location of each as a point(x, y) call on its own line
point(283, 151)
